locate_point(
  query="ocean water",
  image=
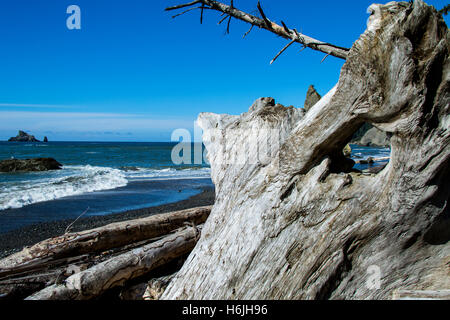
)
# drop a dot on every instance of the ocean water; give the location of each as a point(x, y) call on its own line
point(362, 153)
point(102, 178)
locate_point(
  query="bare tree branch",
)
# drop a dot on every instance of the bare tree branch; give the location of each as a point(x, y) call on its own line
point(265, 23)
point(183, 5)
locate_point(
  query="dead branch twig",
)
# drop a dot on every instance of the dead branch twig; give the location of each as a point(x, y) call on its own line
point(70, 225)
point(223, 19)
point(261, 12)
point(183, 5)
point(286, 29)
point(324, 58)
point(281, 51)
point(201, 13)
point(249, 30)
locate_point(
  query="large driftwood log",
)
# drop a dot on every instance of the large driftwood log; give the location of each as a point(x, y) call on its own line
point(103, 238)
point(116, 271)
point(303, 226)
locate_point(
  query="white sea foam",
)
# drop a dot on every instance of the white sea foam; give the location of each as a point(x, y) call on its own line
point(359, 153)
point(72, 180)
point(168, 174)
point(76, 180)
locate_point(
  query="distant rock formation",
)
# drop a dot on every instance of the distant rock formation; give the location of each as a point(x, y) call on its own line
point(27, 165)
point(370, 136)
point(374, 138)
point(361, 132)
point(312, 97)
point(23, 137)
point(45, 139)
point(367, 135)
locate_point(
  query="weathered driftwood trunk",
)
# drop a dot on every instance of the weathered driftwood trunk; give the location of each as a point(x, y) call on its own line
point(303, 226)
point(100, 239)
point(116, 271)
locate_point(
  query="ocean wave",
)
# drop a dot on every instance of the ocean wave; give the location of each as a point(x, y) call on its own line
point(359, 153)
point(72, 180)
point(168, 173)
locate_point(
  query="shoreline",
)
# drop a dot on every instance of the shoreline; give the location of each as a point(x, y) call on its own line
point(15, 240)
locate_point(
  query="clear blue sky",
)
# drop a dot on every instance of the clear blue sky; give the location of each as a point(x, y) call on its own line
point(132, 73)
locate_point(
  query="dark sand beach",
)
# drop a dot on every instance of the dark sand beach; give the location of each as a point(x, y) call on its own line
point(16, 240)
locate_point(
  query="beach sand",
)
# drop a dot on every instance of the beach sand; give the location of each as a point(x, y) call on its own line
point(16, 240)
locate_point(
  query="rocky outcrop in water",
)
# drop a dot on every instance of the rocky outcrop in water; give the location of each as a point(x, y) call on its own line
point(312, 97)
point(297, 224)
point(371, 136)
point(26, 165)
point(45, 139)
point(374, 138)
point(23, 137)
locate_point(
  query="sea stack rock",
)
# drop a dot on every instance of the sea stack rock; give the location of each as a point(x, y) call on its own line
point(374, 138)
point(298, 227)
point(27, 165)
point(370, 136)
point(23, 137)
point(45, 139)
point(367, 135)
point(312, 97)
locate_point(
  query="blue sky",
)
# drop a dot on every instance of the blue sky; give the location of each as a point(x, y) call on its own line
point(132, 73)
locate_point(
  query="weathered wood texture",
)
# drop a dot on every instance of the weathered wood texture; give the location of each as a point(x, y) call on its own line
point(155, 287)
point(150, 290)
point(100, 239)
point(303, 226)
point(118, 270)
point(421, 295)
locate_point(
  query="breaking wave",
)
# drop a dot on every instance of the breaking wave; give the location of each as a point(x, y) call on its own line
point(72, 180)
point(168, 173)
